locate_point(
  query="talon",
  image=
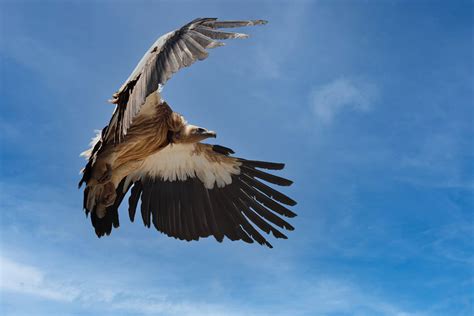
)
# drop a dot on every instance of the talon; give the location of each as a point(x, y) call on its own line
point(107, 174)
point(108, 195)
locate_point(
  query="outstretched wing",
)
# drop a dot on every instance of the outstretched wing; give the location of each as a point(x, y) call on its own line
point(167, 55)
point(198, 190)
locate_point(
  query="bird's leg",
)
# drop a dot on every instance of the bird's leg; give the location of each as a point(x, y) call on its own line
point(112, 180)
point(100, 183)
point(103, 185)
point(124, 170)
point(108, 195)
point(107, 175)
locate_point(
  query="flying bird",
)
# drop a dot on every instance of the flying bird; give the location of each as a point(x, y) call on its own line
point(188, 189)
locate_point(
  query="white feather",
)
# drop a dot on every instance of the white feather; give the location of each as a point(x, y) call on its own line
point(178, 162)
point(87, 153)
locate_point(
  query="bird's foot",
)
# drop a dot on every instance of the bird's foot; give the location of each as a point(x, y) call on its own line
point(108, 194)
point(107, 175)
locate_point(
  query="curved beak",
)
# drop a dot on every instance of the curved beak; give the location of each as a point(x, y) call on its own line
point(203, 132)
point(210, 134)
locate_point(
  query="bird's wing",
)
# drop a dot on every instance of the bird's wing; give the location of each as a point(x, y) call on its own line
point(199, 190)
point(171, 52)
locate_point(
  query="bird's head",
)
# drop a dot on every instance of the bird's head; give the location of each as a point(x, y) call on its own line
point(192, 134)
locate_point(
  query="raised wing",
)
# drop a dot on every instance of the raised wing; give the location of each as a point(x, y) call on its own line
point(167, 55)
point(198, 190)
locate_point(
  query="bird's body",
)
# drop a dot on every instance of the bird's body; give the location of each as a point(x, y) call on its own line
point(187, 189)
point(146, 135)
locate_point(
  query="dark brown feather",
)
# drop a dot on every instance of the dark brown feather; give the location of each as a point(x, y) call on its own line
point(266, 176)
point(263, 164)
point(187, 210)
point(270, 192)
point(133, 199)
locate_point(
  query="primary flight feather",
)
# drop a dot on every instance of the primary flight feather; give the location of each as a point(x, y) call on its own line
point(187, 189)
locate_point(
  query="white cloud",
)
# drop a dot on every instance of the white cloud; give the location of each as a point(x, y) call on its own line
point(328, 100)
point(25, 279)
point(83, 284)
point(323, 296)
point(338, 296)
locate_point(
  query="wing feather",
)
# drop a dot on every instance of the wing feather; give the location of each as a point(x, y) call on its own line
point(269, 191)
point(265, 200)
point(133, 200)
point(146, 197)
point(212, 33)
point(266, 176)
point(171, 52)
point(204, 41)
point(232, 24)
point(154, 206)
point(189, 205)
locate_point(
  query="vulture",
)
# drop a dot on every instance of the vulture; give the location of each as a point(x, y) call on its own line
point(185, 188)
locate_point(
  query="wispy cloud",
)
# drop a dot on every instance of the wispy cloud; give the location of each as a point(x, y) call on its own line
point(324, 296)
point(453, 242)
point(330, 99)
point(84, 285)
point(438, 161)
point(347, 298)
point(273, 52)
point(24, 279)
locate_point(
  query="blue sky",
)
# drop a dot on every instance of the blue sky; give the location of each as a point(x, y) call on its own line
point(369, 103)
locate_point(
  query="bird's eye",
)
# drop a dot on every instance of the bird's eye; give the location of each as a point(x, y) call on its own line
point(200, 130)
